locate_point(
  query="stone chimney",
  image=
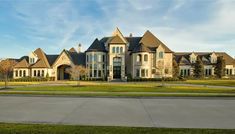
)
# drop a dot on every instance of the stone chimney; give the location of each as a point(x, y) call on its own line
point(79, 48)
point(131, 35)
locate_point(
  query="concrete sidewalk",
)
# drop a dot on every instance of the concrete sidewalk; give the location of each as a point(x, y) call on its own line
point(155, 112)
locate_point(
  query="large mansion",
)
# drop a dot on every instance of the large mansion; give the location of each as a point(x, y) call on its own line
point(116, 57)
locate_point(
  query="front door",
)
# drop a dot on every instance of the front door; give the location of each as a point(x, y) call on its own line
point(116, 72)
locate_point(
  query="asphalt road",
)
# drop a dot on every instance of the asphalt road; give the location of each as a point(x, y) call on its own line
point(140, 112)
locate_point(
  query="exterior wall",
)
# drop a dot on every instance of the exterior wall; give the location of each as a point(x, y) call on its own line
point(20, 73)
point(111, 56)
point(96, 66)
point(141, 68)
point(229, 70)
point(62, 60)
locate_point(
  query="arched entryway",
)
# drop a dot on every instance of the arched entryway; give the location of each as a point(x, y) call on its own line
point(61, 72)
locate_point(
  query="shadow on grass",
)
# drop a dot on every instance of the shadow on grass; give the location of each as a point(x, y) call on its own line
point(7, 88)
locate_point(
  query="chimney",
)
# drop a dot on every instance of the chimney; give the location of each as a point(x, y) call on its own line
point(130, 34)
point(79, 48)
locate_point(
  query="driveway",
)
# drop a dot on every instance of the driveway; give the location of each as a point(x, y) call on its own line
point(139, 112)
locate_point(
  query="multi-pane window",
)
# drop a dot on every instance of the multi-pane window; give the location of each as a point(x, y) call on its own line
point(87, 58)
point(99, 58)
point(103, 58)
point(142, 72)
point(160, 55)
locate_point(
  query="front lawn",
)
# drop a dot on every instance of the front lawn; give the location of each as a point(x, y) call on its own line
point(211, 82)
point(72, 129)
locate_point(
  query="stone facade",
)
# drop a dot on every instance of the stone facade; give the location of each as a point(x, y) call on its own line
point(116, 57)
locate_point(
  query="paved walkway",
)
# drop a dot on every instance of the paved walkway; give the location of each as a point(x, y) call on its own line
point(157, 112)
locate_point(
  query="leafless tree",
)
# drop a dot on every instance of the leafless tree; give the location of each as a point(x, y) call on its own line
point(76, 72)
point(6, 68)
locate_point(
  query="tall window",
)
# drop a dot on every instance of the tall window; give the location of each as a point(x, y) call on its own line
point(121, 49)
point(139, 59)
point(42, 73)
point(20, 73)
point(24, 73)
point(142, 72)
point(90, 58)
point(16, 73)
point(117, 49)
point(160, 55)
point(39, 74)
point(35, 73)
point(113, 50)
point(87, 58)
point(145, 57)
point(95, 57)
point(103, 58)
point(137, 73)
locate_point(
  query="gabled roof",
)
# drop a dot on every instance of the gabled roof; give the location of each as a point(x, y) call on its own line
point(78, 58)
point(116, 40)
point(22, 64)
point(39, 64)
point(72, 50)
point(228, 59)
point(141, 48)
point(41, 55)
point(184, 61)
point(152, 41)
point(97, 46)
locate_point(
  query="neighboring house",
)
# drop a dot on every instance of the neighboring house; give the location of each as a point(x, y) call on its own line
point(116, 57)
point(209, 59)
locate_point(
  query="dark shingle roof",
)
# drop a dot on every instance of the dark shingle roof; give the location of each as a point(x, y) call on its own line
point(141, 48)
point(97, 46)
point(51, 59)
point(78, 58)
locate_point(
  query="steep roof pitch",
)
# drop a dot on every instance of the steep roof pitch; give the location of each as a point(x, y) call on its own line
point(22, 64)
point(41, 55)
point(39, 64)
point(133, 42)
point(97, 46)
point(152, 41)
point(51, 59)
point(228, 59)
point(78, 58)
point(141, 48)
point(116, 40)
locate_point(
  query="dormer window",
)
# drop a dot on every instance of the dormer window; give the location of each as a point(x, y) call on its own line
point(31, 60)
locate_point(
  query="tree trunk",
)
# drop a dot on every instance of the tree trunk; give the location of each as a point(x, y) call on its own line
point(6, 79)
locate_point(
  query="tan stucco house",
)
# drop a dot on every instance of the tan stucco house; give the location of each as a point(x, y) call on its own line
point(116, 57)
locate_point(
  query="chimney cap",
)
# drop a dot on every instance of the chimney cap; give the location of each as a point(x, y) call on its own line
point(79, 44)
point(131, 34)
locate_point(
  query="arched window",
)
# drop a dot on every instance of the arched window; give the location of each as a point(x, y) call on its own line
point(24, 73)
point(117, 49)
point(113, 50)
point(20, 73)
point(121, 49)
point(139, 59)
point(145, 57)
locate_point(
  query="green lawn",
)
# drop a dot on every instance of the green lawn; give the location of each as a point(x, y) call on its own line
point(71, 129)
point(124, 90)
point(211, 82)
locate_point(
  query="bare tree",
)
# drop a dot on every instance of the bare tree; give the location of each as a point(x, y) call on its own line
point(76, 72)
point(161, 71)
point(6, 68)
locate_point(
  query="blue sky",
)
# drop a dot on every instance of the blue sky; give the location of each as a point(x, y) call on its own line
point(183, 25)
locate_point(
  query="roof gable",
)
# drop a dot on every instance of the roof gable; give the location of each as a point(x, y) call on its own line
point(41, 55)
point(117, 40)
point(39, 64)
point(117, 32)
point(150, 40)
point(22, 64)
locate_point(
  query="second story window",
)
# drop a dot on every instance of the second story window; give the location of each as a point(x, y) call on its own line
point(145, 57)
point(95, 57)
point(121, 50)
point(117, 49)
point(139, 58)
point(113, 49)
point(161, 55)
